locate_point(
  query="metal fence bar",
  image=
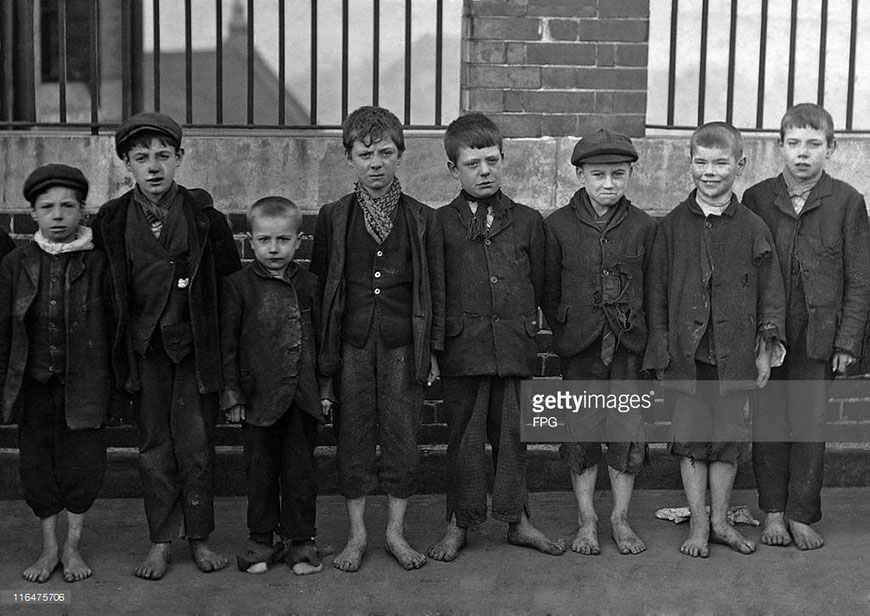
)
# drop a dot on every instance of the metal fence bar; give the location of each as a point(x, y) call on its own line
point(312, 111)
point(439, 57)
point(853, 46)
point(156, 55)
point(95, 67)
point(345, 26)
point(188, 63)
point(732, 55)
point(823, 50)
point(219, 63)
point(792, 51)
point(282, 61)
point(672, 63)
point(702, 64)
point(61, 64)
point(407, 62)
point(376, 52)
point(250, 61)
point(762, 67)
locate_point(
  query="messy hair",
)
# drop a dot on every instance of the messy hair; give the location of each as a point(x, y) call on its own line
point(808, 115)
point(472, 130)
point(370, 124)
point(274, 207)
point(718, 135)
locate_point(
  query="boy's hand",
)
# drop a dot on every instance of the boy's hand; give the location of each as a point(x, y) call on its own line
point(235, 414)
point(841, 361)
point(762, 365)
point(434, 371)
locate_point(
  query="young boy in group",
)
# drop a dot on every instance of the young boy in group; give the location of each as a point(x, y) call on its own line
point(55, 375)
point(715, 296)
point(820, 230)
point(370, 255)
point(269, 312)
point(488, 280)
point(168, 250)
point(598, 247)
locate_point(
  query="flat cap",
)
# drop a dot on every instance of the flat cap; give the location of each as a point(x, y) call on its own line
point(147, 121)
point(52, 175)
point(603, 146)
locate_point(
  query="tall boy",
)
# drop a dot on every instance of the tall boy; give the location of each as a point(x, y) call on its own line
point(820, 230)
point(488, 279)
point(715, 295)
point(598, 247)
point(370, 256)
point(168, 249)
point(55, 375)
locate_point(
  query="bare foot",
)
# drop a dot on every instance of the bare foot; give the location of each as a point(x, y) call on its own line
point(805, 538)
point(447, 548)
point(723, 532)
point(206, 559)
point(586, 541)
point(523, 534)
point(408, 557)
point(156, 562)
point(41, 570)
point(775, 531)
point(350, 558)
point(697, 543)
point(626, 540)
point(75, 569)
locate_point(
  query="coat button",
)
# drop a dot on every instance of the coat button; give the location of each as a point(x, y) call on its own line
point(377, 274)
point(380, 253)
point(487, 242)
point(605, 240)
point(605, 272)
point(495, 317)
point(708, 224)
point(493, 279)
point(377, 291)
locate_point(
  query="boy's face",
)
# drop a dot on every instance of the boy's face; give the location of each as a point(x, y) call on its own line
point(274, 240)
point(375, 165)
point(805, 150)
point(714, 171)
point(605, 182)
point(478, 170)
point(154, 167)
point(58, 213)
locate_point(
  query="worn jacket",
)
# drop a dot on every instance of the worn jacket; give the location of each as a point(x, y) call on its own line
point(89, 325)
point(213, 255)
point(746, 294)
point(828, 245)
point(7, 244)
point(268, 343)
point(328, 263)
point(596, 276)
point(486, 292)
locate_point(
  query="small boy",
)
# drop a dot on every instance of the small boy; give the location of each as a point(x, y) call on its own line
point(820, 230)
point(168, 250)
point(370, 255)
point(715, 295)
point(55, 327)
point(268, 316)
point(488, 279)
point(598, 247)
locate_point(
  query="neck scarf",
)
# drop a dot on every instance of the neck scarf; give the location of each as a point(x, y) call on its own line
point(488, 209)
point(714, 208)
point(84, 240)
point(156, 213)
point(379, 214)
point(798, 189)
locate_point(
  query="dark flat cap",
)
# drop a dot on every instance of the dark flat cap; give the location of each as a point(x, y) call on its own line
point(603, 146)
point(148, 121)
point(48, 176)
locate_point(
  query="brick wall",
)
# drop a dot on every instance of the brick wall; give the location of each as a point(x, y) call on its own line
point(556, 67)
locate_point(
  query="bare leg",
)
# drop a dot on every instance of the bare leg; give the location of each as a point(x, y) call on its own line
point(805, 538)
point(447, 548)
point(586, 541)
point(396, 544)
point(523, 534)
point(351, 556)
point(74, 566)
point(722, 476)
point(775, 531)
point(626, 540)
point(47, 562)
point(156, 562)
point(694, 474)
point(206, 559)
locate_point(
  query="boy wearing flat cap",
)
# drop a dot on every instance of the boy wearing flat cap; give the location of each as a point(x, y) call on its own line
point(168, 250)
point(598, 247)
point(55, 318)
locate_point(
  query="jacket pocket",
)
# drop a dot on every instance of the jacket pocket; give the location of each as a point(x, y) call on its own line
point(453, 326)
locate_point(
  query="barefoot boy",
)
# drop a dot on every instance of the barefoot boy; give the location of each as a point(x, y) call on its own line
point(370, 256)
point(598, 247)
point(819, 226)
point(488, 278)
point(55, 326)
point(168, 249)
point(715, 295)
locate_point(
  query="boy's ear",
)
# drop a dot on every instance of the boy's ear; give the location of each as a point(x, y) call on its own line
point(453, 169)
point(578, 171)
point(741, 165)
point(180, 153)
point(831, 148)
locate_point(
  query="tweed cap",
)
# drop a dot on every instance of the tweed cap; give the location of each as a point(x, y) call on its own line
point(147, 121)
point(603, 146)
point(52, 175)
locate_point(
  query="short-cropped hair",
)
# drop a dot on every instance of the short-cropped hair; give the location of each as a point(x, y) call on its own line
point(143, 139)
point(472, 130)
point(718, 135)
point(808, 115)
point(371, 124)
point(274, 207)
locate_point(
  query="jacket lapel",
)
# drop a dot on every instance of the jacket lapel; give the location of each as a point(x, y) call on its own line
point(29, 283)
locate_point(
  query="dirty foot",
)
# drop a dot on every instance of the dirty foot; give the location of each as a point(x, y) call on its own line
point(697, 543)
point(206, 559)
point(42, 569)
point(407, 556)
point(805, 538)
point(523, 534)
point(447, 548)
point(156, 563)
point(724, 533)
point(775, 531)
point(586, 541)
point(626, 540)
point(75, 568)
point(350, 558)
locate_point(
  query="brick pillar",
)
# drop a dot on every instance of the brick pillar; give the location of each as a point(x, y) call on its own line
point(556, 67)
